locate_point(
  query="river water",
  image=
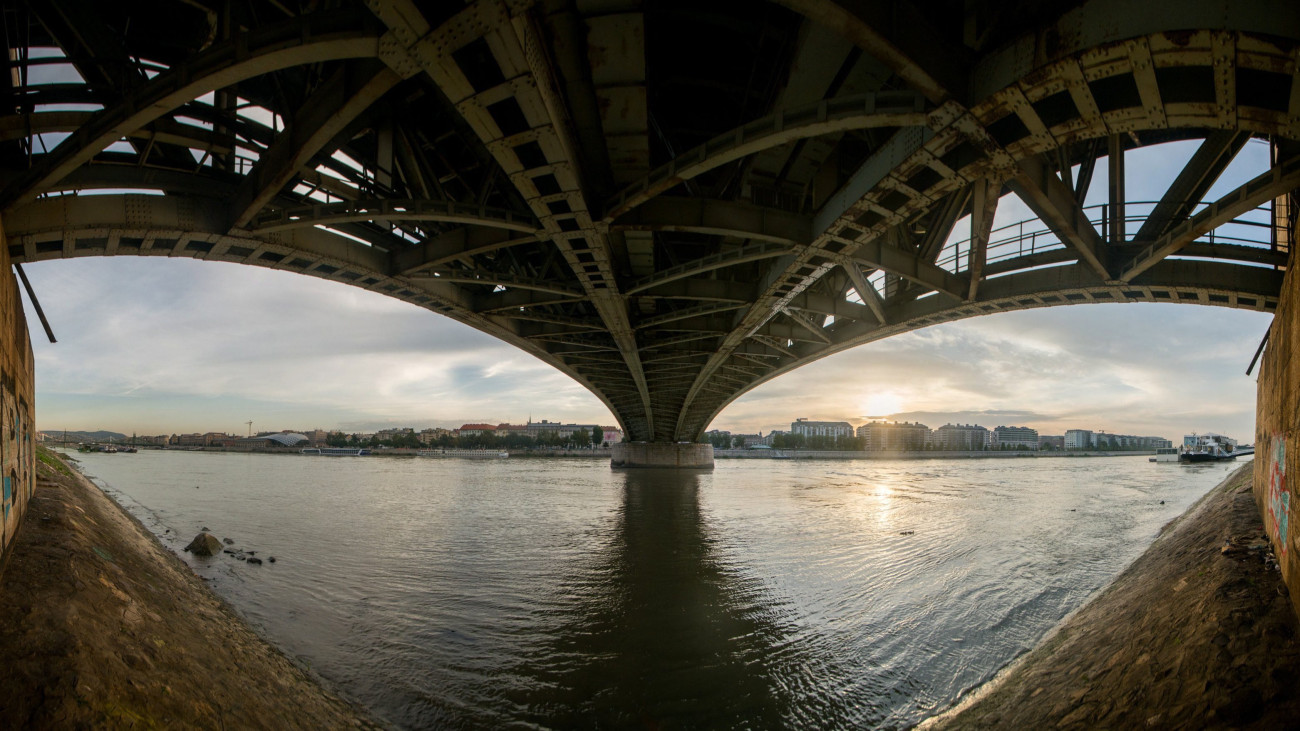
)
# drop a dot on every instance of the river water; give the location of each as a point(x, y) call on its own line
point(534, 593)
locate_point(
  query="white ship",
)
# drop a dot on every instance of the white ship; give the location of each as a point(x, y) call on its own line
point(336, 451)
point(1209, 447)
point(466, 453)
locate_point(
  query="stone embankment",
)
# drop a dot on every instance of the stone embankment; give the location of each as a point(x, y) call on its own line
point(1197, 633)
point(101, 627)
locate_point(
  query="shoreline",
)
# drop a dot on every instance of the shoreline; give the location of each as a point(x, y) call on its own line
point(391, 452)
point(717, 453)
point(102, 626)
point(1196, 632)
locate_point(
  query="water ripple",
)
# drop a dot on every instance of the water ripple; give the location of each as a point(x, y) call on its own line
point(555, 594)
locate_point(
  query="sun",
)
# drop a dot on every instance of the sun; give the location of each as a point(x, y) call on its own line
point(881, 403)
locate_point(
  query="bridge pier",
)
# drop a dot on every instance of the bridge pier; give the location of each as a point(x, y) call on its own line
point(677, 455)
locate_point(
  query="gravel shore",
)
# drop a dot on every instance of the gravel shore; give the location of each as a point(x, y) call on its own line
point(101, 627)
point(1196, 633)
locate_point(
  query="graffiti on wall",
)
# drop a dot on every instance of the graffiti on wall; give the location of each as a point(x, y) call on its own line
point(15, 451)
point(1279, 497)
point(8, 455)
point(17, 457)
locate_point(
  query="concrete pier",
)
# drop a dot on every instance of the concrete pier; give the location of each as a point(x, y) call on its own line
point(682, 455)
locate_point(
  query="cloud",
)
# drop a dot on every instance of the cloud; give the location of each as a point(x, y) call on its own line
point(139, 338)
point(1151, 369)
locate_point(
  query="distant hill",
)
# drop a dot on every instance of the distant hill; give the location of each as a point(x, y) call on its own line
point(87, 436)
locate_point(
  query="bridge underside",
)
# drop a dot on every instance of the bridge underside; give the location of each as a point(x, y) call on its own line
point(669, 201)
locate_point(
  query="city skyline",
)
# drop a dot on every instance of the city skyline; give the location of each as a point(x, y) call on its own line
point(177, 345)
point(439, 426)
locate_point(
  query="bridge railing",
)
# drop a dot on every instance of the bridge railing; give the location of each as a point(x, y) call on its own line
point(1031, 236)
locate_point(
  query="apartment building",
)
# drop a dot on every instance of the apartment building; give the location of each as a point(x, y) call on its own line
point(894, 435)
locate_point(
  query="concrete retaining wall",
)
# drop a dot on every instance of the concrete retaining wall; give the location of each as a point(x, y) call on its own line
point(662, 454)
point(17, 405)
point(1277, 441)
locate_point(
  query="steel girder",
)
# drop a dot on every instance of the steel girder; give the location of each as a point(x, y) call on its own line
point(523, 168)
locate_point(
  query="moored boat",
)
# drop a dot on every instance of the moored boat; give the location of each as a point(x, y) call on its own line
point(466, 453)
point(335, 451)
point(1166, 454)
point(1208, 447)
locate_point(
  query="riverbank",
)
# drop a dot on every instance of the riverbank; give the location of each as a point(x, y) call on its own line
point(1196, 633)
point(382, 452)
point(101, 627)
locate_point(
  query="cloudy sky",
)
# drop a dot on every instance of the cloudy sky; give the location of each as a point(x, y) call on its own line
point(153, 346)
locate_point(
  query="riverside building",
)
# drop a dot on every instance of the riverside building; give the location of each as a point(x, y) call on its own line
point(1087, 439)
point(961, 437)
point(210, 439)
point(1014, 437)
point(537, 429)
point(835, 429)
point(1052, 443)
point(429, 436)
point(894, 435)
point(1078, 439)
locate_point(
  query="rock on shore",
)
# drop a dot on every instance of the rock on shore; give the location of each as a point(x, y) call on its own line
point(205, 544)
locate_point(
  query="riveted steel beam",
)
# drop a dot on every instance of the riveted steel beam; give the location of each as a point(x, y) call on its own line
point(653, 342)
point(389, 209)
point(1193, 182)
point(311, 38)
point(498, 279)
point(878, 167)
point(519, 46)
point(807, 324)
point(461, 244)
point(898, 34)
point(884, 109)
point(1283, 178)
point(540, 96)
point(866, 292)
point(877, 254)
point(717, 217)
point(1052, 201)
point(20, 126)
point(983, 208)
point(686, 313)
point(712, 262)
point(711, 290)
point(326, 113)
point(1100, 24)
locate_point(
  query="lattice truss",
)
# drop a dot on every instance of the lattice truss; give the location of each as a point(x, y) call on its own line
point(670, 201)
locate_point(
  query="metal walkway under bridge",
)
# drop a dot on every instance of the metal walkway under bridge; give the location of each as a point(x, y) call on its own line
point(671, 201)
